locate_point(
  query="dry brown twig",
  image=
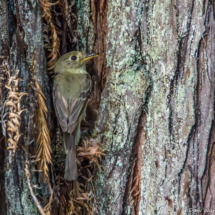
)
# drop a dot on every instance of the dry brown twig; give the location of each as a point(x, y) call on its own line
point(28, 179)
point(81, 199)
point(43, 141)
point(47, 208)
point(68, 14)
point(14, 105)
point(77, 199)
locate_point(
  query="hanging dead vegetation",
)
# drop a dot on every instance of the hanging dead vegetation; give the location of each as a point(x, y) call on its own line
point(90, 150)
point(82, 196)
point(43, 141)
point(42, 144)
point(71, 21)
point(50, 36)
point(13, 104)
point(47, 209)
point(78, 197)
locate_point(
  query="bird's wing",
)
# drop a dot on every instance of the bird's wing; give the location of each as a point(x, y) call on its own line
point(60, 108)
point(69, 110)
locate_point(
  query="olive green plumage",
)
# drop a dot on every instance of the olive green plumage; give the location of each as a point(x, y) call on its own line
point(72, 85)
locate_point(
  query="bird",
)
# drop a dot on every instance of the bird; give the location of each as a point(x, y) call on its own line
point(71, 90)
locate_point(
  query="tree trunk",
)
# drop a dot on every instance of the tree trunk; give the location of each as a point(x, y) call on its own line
point(21, 31)
point(153, 85)
point(157, 108)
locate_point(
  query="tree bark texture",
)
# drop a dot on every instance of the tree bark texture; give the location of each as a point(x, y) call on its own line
point(159, 95)
point(153, 85)
point(21, 31)
point(4, 42)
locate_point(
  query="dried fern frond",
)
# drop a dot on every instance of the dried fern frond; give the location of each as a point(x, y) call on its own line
point(50, 27)
point(43, 142)
point(55, 45)
point(14, 105)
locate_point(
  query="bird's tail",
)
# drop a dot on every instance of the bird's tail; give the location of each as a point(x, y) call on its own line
point(70, 173)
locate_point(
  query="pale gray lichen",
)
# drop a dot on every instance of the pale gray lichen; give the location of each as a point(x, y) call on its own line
point(171, 115)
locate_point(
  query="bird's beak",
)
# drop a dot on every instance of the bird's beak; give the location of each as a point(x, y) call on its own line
point(90, 56)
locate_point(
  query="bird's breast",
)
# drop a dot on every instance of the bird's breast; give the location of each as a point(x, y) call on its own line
point(72, 85)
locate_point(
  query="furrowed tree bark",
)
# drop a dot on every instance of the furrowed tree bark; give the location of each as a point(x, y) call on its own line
point(4, 43)
point(21, 31)
point(152, 100)
point(161, 58)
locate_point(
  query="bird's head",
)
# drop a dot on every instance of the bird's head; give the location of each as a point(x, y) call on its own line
point(73, 62)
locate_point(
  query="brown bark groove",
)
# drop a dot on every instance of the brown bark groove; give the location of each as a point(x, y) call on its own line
point(21, 31)
point(176, 41)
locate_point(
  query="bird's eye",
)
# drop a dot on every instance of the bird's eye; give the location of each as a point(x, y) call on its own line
point(73, 58)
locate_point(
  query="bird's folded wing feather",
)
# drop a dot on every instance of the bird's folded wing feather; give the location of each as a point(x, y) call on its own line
point(69, 110)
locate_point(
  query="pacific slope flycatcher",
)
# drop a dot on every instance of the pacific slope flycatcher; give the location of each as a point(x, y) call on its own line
point(72, 85)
